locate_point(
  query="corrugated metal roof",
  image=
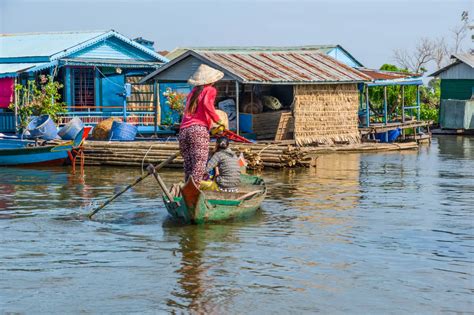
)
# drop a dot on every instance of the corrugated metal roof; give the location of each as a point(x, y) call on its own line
point(110, 63)
point(468, 59)
point(386, 75)
point(276, 67)
point(59, 44)
point(237, 49)
point(41, 44)
point(11, 69)
point(400, 81)
point(296, 66)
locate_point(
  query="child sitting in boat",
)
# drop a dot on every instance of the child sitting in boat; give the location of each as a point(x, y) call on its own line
point(227, 177)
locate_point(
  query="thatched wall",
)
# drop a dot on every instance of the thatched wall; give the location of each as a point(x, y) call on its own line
point(326, 114)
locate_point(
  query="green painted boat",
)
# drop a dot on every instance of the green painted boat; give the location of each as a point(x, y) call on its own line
point(193, 206)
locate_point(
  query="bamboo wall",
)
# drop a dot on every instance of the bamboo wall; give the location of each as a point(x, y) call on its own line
point(141, 100)
point(326, 114)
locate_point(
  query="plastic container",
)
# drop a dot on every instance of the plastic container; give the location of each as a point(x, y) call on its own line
point(392, 135)
point(71, 129)
point(122, 131)
point(42, 127)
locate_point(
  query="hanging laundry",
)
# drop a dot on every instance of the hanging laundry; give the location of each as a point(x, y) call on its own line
point(7, 91)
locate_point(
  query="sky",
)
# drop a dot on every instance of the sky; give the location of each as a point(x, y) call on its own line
point(370, 29)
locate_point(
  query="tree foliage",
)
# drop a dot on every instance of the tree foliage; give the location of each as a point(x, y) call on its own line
point(429, 98)
point(433, 50)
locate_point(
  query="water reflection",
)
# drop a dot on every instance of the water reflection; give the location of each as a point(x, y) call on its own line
point(18, 185)
point(197, 291)
point(457, 147)
point(332, 186)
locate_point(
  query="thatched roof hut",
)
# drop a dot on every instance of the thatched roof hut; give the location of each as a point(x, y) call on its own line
point(320, 92)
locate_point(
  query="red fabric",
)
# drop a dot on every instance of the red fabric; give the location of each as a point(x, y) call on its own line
point(205, 112)
point(7, 91)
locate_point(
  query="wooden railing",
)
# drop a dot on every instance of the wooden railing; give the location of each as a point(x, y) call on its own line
point(92, 115)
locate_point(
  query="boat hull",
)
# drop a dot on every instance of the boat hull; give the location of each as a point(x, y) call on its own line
point(46, 155)
point(18, 152)
point(199, 207)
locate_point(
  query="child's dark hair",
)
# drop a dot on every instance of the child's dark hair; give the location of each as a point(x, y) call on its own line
point(222, 143)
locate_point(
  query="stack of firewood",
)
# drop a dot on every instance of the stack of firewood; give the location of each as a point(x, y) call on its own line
point(295, 156)
point(253, 159)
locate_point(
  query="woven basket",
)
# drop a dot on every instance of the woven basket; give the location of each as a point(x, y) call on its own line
point(102, 130)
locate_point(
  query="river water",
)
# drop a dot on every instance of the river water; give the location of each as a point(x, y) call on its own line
point(361, 233)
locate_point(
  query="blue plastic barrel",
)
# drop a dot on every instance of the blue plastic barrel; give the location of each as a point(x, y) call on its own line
point(123, 131)
point(42, 127)
point(392, 135)
point(71, 129)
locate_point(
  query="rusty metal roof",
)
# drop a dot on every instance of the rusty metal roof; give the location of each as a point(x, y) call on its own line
point(285, 67)
point(387, 75)
point(273, 67)
point(332, 50)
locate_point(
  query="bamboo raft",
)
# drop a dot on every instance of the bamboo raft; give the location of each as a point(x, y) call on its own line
point(258, 155)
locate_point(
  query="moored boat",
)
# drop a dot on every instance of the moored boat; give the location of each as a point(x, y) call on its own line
point(194, 206)
point(29, 152)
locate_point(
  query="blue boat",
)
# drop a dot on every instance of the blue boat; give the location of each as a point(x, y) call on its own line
point(14, 151)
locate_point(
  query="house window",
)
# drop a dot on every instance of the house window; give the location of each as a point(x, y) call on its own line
point(83, 85)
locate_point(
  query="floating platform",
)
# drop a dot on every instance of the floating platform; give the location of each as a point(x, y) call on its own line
point(259, 155)
point(379, 127)
point(456, 132)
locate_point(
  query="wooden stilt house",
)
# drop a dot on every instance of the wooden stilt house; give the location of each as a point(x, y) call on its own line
point(317, 97)
point(92, 66)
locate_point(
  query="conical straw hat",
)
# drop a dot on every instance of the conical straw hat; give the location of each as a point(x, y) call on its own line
point(205, 75)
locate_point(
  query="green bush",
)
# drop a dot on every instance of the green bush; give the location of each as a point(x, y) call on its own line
point(428, 113)
point(42, 98)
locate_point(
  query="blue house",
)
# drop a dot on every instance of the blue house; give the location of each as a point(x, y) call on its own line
point(93, 67)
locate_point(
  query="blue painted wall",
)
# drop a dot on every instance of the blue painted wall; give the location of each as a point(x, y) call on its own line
point(113, 48)
point(112, 86)
point(343, 57)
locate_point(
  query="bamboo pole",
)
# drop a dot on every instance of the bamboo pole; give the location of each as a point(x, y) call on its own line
point(138, 180)
point(385, 118)
point(237, 105)
point(17, 94)
point(160, 182)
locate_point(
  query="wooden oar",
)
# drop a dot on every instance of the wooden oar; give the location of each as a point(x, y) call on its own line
point(139, 179)
point(160, 182)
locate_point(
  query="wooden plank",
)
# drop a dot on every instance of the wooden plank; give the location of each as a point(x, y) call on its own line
point(265, 125)
point(285, 127)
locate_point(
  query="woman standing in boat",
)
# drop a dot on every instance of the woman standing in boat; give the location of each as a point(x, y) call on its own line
point(198, 118)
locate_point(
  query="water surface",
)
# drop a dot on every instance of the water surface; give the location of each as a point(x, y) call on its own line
point(361, 233)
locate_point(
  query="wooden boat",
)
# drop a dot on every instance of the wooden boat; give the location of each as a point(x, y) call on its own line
point(29, 152)
point(194, 206)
